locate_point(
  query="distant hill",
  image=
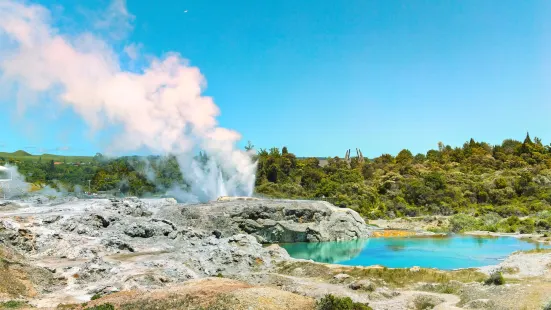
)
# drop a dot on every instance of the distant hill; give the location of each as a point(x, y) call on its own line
point(22, 155)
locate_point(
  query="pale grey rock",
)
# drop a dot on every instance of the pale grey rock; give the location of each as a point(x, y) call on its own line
point(341, 277)
point(274, 221)
point(365, 285)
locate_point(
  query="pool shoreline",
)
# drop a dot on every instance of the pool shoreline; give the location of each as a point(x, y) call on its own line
point(445, 252)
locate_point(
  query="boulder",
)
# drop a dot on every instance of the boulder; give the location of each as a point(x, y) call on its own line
point(365, 285)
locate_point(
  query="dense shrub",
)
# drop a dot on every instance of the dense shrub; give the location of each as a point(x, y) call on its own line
point(496, 278)
point(463, 222)
point(331, 302)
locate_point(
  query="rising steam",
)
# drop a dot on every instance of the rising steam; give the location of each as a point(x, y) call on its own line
point(12, 183)
point(159, 108)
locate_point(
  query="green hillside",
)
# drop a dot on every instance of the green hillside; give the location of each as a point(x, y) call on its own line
point(22, 155)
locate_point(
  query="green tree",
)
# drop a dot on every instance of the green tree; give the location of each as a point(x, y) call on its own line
point(249, 146)
point(404, 157)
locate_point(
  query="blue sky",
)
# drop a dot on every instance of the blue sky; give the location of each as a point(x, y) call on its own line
point(324, 76)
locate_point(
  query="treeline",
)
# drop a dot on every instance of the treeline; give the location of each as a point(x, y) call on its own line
point(125, 175)
point(511, 179)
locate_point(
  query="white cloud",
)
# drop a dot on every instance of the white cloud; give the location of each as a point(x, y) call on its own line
point(116, 19)
point(132, 51)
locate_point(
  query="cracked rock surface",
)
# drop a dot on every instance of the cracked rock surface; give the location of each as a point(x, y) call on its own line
point(102, 245)
point(275, 221)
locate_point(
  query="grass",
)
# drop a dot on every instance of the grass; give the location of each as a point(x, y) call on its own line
point(170, 302)
point(395, 277)
point(452, 287)
point(535, 251)
point(13, 304)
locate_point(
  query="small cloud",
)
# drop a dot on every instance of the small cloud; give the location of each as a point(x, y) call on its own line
point(132, 51)
point(117, 20)
point(63, 148)
point(185, 11)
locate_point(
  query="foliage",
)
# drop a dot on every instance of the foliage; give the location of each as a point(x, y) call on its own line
point(96, 296)
point(424, 302)
point(331, 302)
point(480, 183)
point(463, 222)
point(13, 304)
point(496, 278)
point(504, 187)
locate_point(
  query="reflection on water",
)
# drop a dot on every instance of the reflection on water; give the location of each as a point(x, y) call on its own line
point(326, 252)
point(448, 252)
point(396, 247)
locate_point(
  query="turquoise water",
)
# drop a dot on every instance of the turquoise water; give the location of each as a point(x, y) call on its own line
point(449, 252)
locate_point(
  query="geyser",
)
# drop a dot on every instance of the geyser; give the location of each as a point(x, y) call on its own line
point(160, 108)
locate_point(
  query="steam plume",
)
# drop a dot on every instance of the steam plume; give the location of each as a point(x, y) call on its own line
point(160, 108)
point(17, 185)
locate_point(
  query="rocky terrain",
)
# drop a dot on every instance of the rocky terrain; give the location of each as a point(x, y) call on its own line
point(158, 254)
point(276, 221)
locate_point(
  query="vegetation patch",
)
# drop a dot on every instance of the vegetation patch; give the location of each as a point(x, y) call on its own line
point(170, 302)
point(396, 277)
point(14, 304)
point(331, 302)
point(424, 302)
point(452, 287)
point(401, 277)
point(102, 307)
point(535, 251)
point(496, 278)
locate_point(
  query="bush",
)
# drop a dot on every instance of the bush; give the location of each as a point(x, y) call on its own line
point(96, 296)
point(463, 222)
point(527, 226)
point(496, 278)
point(547, 306)
point(13, 304)
point(424, 302)
point(330, 302)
